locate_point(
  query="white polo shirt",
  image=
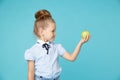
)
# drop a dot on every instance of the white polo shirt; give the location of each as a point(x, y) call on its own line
point(46, 65)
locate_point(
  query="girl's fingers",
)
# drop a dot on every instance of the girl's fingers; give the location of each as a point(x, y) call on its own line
point(83, 40)
point(87, 38)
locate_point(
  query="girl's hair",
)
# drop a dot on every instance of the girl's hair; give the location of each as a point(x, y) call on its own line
point(43, 17)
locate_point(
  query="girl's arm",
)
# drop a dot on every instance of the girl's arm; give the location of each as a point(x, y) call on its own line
point(30, 70)
point(73, 56)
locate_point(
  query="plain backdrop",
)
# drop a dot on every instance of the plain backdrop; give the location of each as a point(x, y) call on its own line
point(99, 59)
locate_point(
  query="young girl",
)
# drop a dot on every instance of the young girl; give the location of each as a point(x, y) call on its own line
point(43, 57)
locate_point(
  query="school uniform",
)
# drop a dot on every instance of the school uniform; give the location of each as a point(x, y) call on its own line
point(46, 58)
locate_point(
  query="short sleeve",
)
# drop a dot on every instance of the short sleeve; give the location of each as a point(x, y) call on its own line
point(61, 50)
point(28, 55)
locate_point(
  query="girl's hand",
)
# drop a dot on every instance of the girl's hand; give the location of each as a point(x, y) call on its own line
point(84, 40)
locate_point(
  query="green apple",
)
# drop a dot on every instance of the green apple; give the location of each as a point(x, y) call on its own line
point(85, 33)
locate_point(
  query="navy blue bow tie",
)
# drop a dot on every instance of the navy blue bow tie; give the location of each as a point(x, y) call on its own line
point(46, 46)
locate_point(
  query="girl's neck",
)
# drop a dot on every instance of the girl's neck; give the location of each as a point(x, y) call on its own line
point(43, 39)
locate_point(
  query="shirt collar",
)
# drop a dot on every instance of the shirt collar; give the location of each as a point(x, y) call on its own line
point(42, 42)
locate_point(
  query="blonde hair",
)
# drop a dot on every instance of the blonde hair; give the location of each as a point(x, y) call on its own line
point(43, 17)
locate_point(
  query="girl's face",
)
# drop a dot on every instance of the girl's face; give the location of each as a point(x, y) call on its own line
point(48, 34)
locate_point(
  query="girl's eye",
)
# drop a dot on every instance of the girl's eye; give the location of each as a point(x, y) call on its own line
point(53, 31)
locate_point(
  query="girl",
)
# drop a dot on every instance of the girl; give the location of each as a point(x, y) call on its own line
point(43, 62)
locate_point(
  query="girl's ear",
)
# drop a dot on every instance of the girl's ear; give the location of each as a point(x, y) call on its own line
point(40, 32)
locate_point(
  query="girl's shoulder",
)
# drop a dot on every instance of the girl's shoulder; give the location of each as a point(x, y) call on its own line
point(60, 49)
point(31, 52)
point(57, 45)
point(33, 48)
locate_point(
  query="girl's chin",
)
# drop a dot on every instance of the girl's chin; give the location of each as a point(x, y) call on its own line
point(52, 40)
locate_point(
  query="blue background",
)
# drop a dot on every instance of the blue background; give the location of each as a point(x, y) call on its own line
point(99, 59)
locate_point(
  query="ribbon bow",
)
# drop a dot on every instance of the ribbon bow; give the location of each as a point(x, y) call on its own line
point(46, 46)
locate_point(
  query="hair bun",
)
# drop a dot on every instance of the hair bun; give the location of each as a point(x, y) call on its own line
point(42, 14)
